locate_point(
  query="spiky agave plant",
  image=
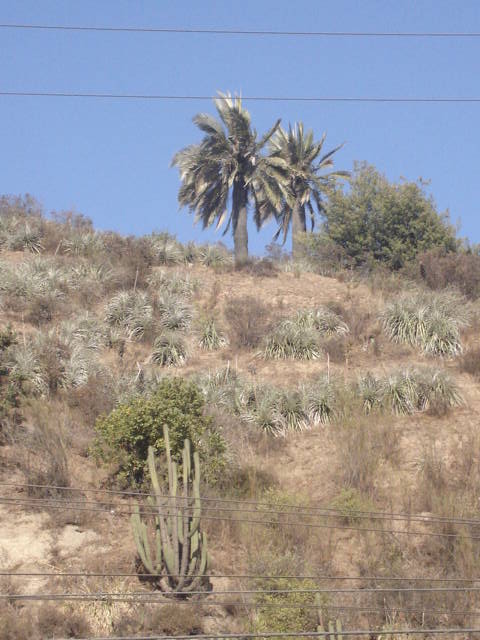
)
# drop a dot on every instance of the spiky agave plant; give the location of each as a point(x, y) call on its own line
point(430, 321)
point(290, 340)
point(222, 388)
point(86, 330)
point(84, 244)
point(370, 390)
point(258, 406)
point(289, 411)
point(166, 249)
point(164, 282)
point(211, 338)
point(131, 311)
point(401, 393)
point(174, 312)
point(323, 320)
point(25, 368)
point(169, 350)
point(321, 402)
point(26, 238)
point(213, 255)
point(437, 392)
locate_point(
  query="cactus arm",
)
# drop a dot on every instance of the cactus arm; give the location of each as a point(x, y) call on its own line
point(141, 540)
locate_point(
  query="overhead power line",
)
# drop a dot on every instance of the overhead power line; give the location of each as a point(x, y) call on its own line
point(266, 507)
point(245, 576)
point(244, 32)
point(250, 592)
point(251, 605)
point(190, 98)
point(297, 634)
point(310, 525)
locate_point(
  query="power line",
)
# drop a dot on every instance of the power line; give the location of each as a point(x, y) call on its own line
point(247, 32)
point(261, 592)
point(163, 97)
point(79, 574)
point(309, 525)
point(256, 503)
point(297, 634)
point(251, 605)
point(307, 512)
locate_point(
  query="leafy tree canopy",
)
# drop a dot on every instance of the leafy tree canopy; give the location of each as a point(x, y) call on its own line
point(387, 222)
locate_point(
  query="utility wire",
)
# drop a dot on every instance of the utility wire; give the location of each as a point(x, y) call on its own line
point(296, 634)
point(310, 525)
point(306, 512)
point(261, 605)
point(247, 32)
point(79, 574)
point(163, 97)
point(243, 592)
point(256, 503)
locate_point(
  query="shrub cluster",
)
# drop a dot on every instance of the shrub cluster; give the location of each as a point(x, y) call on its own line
point(123, 437)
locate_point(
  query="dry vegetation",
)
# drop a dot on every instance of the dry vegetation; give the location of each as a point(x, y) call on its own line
point(316, 393)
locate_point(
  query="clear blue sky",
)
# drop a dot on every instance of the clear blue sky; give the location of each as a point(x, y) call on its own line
point(110, 160)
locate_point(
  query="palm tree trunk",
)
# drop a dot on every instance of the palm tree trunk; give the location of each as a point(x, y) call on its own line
point(239, 218)
point(298, 229)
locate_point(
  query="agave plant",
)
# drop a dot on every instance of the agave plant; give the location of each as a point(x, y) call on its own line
point(214, 255)
point(171, 283)
point(431, 322)
point(131, 311)
point(26, 238)
point(437, 391)
point(400, 393)
point(222, 388)
point(294, 341)
point(211, 338)
point(166, 249)
point(371, 392)
point(174, 312)
point(25, 368)
point(169, 350)
point(84, 244)
point(90, 275)
point(261, 409)
point(320, 402)
point(86, 330)
point(289, 412)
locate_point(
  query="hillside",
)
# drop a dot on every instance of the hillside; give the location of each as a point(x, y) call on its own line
point(366, 428)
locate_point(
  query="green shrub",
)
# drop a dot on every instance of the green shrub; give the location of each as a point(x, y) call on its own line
point(351, 503)
point(123, 437)
point(270, 616)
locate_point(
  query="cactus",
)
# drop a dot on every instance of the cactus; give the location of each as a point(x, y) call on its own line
point(335, 630)
point(178, 561)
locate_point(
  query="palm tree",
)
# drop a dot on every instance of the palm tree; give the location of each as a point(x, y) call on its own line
point(227, 167)
point(307, 186)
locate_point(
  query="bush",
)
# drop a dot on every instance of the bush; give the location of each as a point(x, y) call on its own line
point(377, 221)
point(439, 270)
point(271, 616)
point(124, 436)
point(248, 319)
point(169, 350)
point(470, 363)
point(55, 622)
point(430, 322)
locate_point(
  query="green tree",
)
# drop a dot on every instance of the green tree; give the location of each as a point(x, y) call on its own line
point(383, 221)
point(227, 166)
point(307, 184)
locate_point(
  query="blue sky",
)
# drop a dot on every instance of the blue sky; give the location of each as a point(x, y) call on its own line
point(110, 160)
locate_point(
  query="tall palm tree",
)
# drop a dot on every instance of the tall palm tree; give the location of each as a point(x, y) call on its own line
point(227, 167)
point(307, 184)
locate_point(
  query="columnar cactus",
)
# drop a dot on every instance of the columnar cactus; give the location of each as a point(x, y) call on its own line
point(179, 559)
